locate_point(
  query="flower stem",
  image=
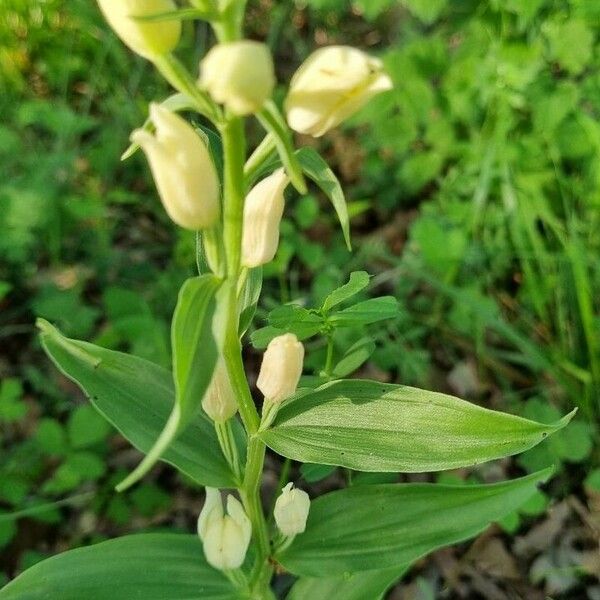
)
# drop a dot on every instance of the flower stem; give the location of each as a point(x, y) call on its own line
point(234, 151)
point(178, 76)
point(329, 357)
point(229, 447)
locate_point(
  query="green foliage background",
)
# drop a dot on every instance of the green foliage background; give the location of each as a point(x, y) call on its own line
point(474, 192)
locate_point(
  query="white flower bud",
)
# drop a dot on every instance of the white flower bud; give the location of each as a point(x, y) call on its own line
point(291, 510)
point(145, 38)
point(263, 210)
point(183, 169)
point(225, 538)
point(219, 402)
point(239, 74)
point(330, 86)
point(281, 368)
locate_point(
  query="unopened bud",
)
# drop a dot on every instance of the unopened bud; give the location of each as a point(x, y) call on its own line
point(225, 538)
point(263, 210)
point(291, 510)
point(183, 169)
point(145, 38)
point(219, 402)
point(281, 368)
point(330, 86)
point(239, 75)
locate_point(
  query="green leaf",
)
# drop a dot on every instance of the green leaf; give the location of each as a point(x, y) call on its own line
point(249, 298)
point(183, 14)
point(355, 356)
point(194, 347)
point(150, 566)
point(369, 311)
point(36, 510)
point(264, 159)
point(291, 315)
point(86, 427)
point(51, 437)
point(380, 526)
point(194, 358)
point(313, 473)
point(370, 426)
point(149, 499)
point(571, 44)
point(318, 170)
point(301, 328)
point(575, 443)
point(372, 9)
point(12, 407)
point(427, 11)
point(271, 119)
point(358, 281)
point(355, 586)
point(8, 530)
point(137, 396)
point(214, 143)
point(592, 481)
point(536, 505)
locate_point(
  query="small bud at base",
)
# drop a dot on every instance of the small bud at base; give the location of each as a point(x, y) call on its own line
point(219, 402)
point(291, 510)
point(281, 368)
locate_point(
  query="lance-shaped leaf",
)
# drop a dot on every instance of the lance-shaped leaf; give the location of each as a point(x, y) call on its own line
point(194, 358)
point(317, 169)
point(382, 526)
point(249, 297)
point(150, 566)
point(358, 281)
point(355, 356)
point(274, 123)
point(370, 426)
point(357, 586)
point(184, 14)
point(137, 396)
point(364, 313)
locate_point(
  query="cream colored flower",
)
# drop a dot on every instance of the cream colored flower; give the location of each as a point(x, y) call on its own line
point(281, 368)
point(225, 538)
point(263, 210)
point(239, 75)
point(145, 38)
point(183, 169)
point(330, 86)
point(291, 510)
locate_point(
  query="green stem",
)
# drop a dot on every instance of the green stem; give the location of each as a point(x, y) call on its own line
point(251, 498)
point(212, 244)
point(178, 76)
point(229, 27)
point(237, 577)
point(263, 153)
point(229, 447)
point(234, 150)
point(329, 359)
